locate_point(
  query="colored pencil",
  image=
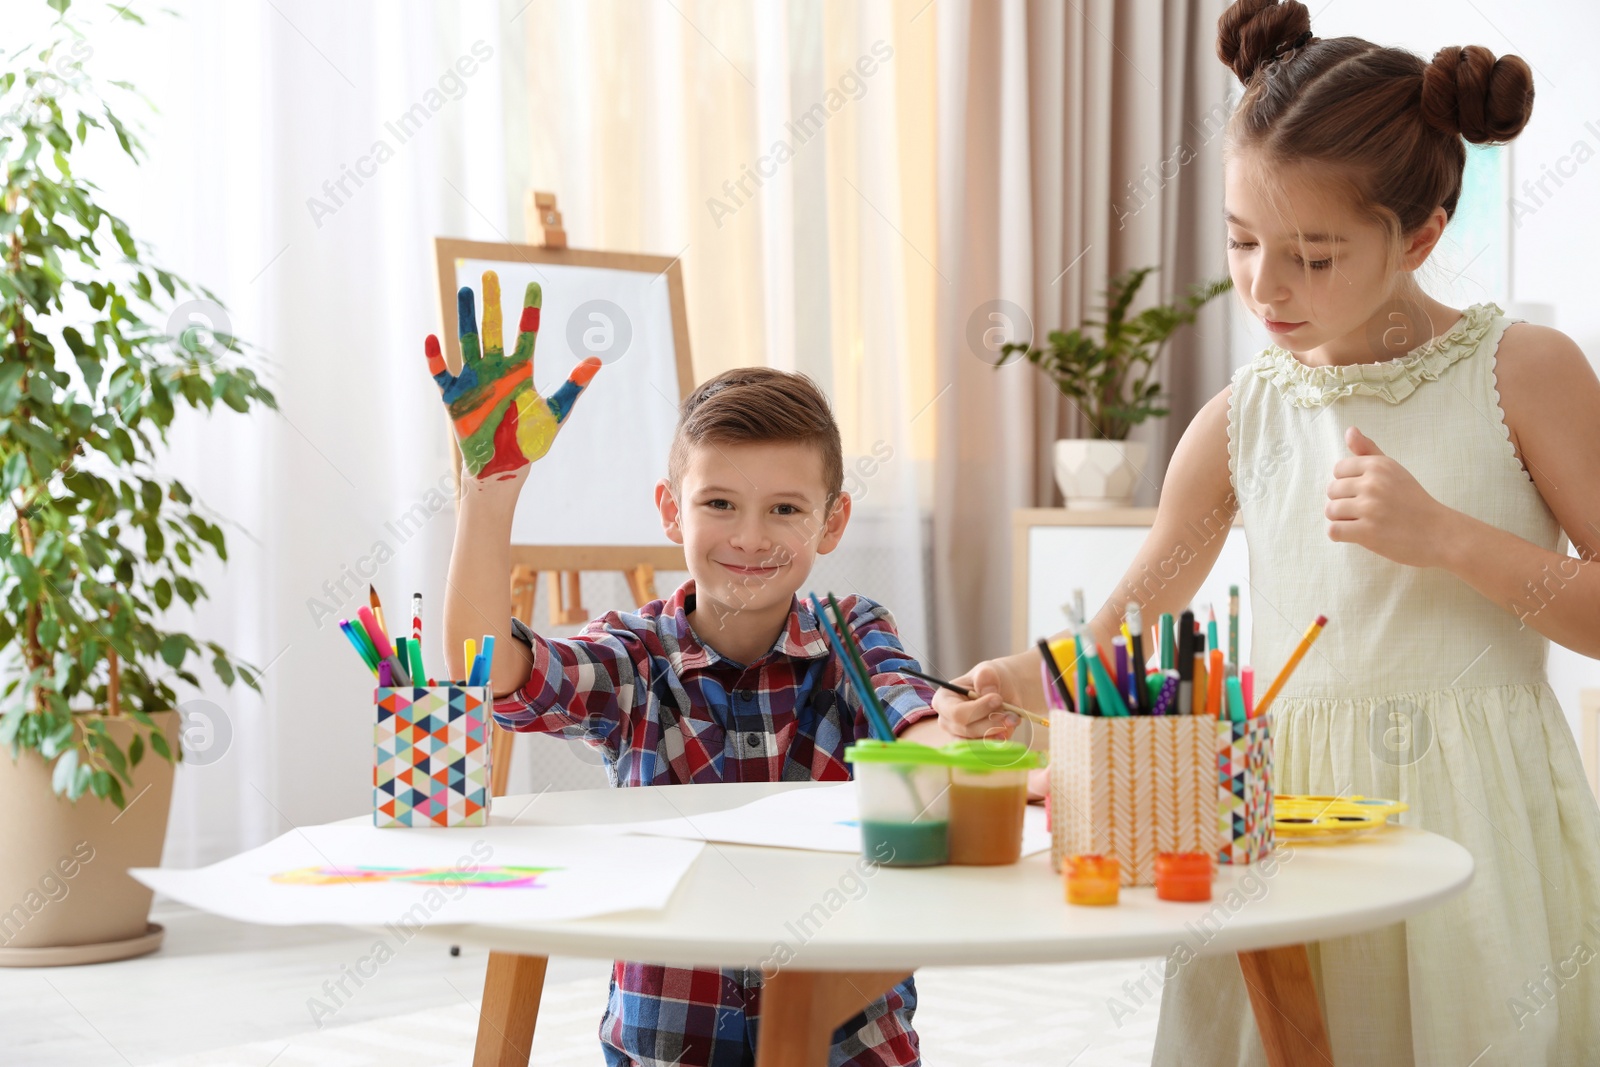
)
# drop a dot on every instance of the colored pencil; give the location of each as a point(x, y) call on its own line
point(403, 676)
point(1169, 649)
point(1235, 701)
point(1142, 704)
point(876, 721)
point(367, 657)
point(380, 642)
point(1202, 684)
point(1312, 633)
point(1215, 681)
point(418, 673)
point(1185, 668)
point(1211, 629)
point(1233, 624)
point(853, 649)
point(377, 609)
point(1085, 705)
point(1057, 677)
point(1110, 700)
point(487, 653)
point(972, 694)
point(416, 617)
point(1247, 688)
point(470, 647)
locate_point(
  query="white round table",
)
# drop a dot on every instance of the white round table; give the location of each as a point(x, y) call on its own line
point(833, 932)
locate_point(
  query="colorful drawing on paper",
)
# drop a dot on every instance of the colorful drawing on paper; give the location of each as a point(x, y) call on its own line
point(479, 878)
point(501, 423)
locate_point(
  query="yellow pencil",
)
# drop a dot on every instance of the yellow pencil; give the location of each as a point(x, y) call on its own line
point(1311, 634)
point(472, 652)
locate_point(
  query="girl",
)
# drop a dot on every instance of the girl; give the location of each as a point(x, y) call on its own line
point(1408, 469)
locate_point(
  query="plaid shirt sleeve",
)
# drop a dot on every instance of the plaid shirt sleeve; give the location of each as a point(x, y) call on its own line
point(583, 687)
point(907, 700)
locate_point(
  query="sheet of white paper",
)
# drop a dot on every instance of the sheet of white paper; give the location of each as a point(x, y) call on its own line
point(821, 819)
point(365, 876)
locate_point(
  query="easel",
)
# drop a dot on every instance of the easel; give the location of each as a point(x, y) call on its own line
point(562, 565)
point(513, 982)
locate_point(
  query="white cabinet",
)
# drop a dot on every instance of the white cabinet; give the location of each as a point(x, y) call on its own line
point(1055, 551)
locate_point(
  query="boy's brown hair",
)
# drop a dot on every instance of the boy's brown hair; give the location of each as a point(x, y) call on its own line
point(759, 405)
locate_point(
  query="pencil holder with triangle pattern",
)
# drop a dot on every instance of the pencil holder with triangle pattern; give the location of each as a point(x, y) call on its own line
point(431, 759)
point(1244, 790)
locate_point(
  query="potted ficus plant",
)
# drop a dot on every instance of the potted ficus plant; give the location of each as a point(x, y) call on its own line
point(1111, 380)
point(98, 354)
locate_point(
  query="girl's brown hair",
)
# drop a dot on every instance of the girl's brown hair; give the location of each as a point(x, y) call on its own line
point(1382, 122)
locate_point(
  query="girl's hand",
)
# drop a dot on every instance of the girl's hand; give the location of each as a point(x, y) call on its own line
point(1374, 502)
point(983, 717)
point(501, 423)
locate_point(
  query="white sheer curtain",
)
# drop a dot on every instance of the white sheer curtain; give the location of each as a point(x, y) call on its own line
point(784, 151)
point(291, 171)
point(303, 158)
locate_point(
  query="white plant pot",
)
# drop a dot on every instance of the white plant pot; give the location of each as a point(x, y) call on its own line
point(1099, 474)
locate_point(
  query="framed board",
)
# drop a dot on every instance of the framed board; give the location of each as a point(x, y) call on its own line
point(628, 310)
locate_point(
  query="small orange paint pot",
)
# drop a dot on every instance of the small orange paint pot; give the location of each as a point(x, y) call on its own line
point(1183, 876)
point(1092, 879)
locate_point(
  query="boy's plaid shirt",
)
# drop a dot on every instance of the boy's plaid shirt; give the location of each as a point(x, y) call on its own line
point(663, 709)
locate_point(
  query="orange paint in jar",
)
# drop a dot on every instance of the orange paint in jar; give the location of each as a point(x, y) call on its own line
point(1183, 876)
point(988, 796)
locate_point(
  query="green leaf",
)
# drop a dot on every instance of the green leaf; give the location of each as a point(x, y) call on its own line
point(135, 750)
point(173, 649)
point(61, 779)
point(158, 742)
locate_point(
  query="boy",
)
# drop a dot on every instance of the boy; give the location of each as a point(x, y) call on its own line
point(728, 679)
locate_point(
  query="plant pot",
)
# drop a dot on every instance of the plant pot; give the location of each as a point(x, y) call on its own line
point(65, 893)
point(1099, 474)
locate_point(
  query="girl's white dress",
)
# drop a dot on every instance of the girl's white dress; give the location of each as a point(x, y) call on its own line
point(1422, 690)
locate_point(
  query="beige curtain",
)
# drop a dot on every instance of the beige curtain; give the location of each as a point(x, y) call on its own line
point(1076, 140)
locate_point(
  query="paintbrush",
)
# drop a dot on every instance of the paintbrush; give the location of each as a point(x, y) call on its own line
point(972, 694)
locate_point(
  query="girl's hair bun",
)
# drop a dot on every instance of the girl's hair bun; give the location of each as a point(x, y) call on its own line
point(1467, 91)
point(1251, 33)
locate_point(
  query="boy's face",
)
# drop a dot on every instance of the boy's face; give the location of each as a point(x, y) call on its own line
point(751, 518)
point(1300, 255)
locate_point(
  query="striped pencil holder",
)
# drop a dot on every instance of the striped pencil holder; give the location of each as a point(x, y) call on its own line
point(432, 756)
point(1244, 790)
point(1132, 787)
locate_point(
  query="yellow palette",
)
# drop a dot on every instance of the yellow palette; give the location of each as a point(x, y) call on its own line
point(1330, 819)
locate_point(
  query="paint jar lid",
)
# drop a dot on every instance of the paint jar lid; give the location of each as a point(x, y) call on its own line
point(984, 755)
point(903, 752)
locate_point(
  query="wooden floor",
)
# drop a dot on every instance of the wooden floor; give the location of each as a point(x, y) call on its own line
point(226, 994)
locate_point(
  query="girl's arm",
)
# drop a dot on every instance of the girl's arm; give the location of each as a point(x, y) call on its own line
point(1196, 509)
point(1551, 400)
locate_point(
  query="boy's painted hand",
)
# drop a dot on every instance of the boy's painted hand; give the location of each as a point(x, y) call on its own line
point(1373, 501)
point(501, 423)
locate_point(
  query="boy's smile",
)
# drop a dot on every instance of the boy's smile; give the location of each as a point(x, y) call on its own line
point(752, 518)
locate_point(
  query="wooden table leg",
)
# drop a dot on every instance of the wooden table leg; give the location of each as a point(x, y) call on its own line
point(1286, 1008)
point(511, 989)
point(800, 1010)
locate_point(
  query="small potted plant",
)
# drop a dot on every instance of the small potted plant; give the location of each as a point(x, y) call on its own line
point(1110, 379)
point(98, 352)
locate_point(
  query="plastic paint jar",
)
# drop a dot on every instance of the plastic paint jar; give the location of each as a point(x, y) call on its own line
point(1092, 879)
point(1183, 876)
point(903, 797)
point(988, 795)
